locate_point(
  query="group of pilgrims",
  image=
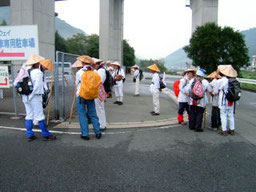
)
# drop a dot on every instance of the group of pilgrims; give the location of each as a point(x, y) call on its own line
point(222, 113)
point(90, 78)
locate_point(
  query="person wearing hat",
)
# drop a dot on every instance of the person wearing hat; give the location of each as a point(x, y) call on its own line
point(100, 108)
point(183, 96)
point(215, 115)
point(155, 89)
point(82, 103)
point(197, 106)
point(136, 79)
point(33, 102)
point(226, 107)
point(119, 77)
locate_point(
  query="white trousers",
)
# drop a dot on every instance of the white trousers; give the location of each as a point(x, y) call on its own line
point(137, 85)
point(227, 118)
point(156, 104)
point(100, 110)
point(34, 108)
point(119, 93)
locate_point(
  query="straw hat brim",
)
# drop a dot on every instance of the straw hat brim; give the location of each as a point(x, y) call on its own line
point(154, 68)
point(33, 59)
point(47, 63)
point(136, 66)
point(116, 64)
point(86, 59)
point(77, 64)
point(97, 61)
point(227, 70)
point(214, 75)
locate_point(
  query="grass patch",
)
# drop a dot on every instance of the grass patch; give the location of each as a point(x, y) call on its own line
point(248, 86)
point(248, 74)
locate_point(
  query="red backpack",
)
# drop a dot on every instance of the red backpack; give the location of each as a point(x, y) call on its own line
point(176, 88)
point(197, 89)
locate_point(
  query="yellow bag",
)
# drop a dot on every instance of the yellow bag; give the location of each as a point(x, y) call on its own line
point(90, 85)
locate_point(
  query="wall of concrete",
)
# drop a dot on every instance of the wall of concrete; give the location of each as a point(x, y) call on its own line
point(111, 30)
point(41, 13)
point(203, 11)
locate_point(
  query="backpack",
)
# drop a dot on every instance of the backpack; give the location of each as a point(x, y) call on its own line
point(234, 90)
point(141, 75)
point(197, 89)
point(25, 87)
point(90, 85)
point(176, 88)
point(109, 82)
point(161, 83)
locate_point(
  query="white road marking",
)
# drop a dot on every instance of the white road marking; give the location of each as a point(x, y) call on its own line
point(78, 133)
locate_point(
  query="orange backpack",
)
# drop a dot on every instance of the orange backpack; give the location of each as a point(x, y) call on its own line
point(90, 85)
point(176, 88)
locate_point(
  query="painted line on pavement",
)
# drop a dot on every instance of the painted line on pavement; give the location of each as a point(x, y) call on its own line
point(104, 133)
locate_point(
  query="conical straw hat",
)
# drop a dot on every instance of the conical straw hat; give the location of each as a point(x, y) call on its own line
point(77, 64)
point(189, 70)
point(153, 68)
point(33, 59)
point(116, 63)
point(136, 66)
point(227, 70)
point(85, 59)
point(97, 61)
point(214, 75)
point(47, 63)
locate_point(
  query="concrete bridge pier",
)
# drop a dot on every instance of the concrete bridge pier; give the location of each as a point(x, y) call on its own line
point(203, 11)
point(111, 30)
point(41, 13)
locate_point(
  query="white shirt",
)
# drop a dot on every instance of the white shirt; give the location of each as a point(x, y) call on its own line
point(37, 81)
point(102, 74)
point(183, 98)
point(221, 88)
point(119, 72)
point(207, 88)
point(215, 97)
point(79, 74)
point(155, 85)
point(136, 75)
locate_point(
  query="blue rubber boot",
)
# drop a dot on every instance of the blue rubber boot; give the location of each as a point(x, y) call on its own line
point(29, 126)
point(46, 134)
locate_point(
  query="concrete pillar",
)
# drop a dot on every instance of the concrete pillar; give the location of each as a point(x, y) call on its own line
point(203, 11)
point(111, 30)
point(41, 13)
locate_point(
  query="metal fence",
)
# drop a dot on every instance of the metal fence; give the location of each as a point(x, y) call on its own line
point(64, 84)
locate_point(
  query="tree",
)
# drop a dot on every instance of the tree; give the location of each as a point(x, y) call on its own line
point(212, 45)
point(60, 43)
point(92, 45)
point(3, 23)
point(128, 54)
point(77, 44)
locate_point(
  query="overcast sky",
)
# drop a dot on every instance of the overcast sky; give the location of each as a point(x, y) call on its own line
point(156, 28)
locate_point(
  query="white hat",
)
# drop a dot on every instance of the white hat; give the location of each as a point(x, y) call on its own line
point(116, 63)
point(97, 61)
point(201, 72)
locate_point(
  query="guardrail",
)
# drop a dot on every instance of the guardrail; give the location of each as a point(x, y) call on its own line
point(241, 80)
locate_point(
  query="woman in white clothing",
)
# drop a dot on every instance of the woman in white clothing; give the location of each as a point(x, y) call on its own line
point(136, 79)
point(119, 77)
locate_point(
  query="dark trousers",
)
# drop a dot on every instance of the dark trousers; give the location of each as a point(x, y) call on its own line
point(215, 119)
point(183, 107)
point(196, 117)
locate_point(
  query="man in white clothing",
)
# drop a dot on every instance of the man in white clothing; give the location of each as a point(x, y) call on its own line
point(197, 105)
point(136, 79)
point(155, 89)
point(33, 100)
point(226, 107)
point(100, 108)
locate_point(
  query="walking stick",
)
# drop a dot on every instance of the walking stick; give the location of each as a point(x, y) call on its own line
point(49, 106)
point(73, 102)
point(205, 117)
